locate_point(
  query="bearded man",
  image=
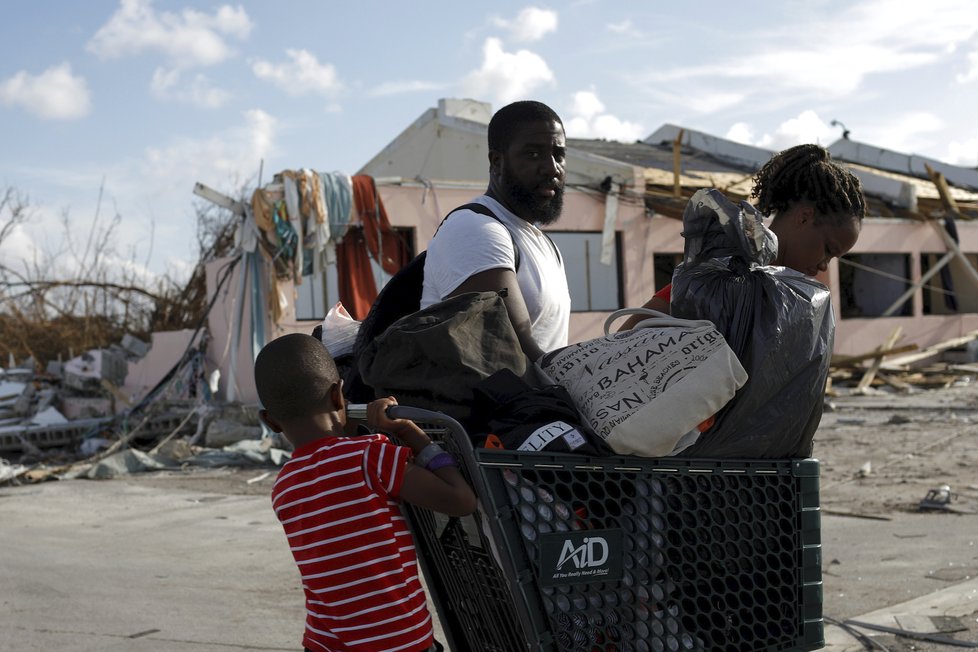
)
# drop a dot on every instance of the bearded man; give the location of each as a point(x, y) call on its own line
point(478, 252)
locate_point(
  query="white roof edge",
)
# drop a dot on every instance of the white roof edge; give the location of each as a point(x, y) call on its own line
point(909, 164)
point(720, 148)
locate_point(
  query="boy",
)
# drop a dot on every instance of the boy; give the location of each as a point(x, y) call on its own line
point(337, 499)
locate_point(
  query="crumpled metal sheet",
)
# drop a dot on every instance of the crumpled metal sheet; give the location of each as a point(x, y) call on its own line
point(242, 453)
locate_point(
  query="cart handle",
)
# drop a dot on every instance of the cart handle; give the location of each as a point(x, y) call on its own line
point(358, 412)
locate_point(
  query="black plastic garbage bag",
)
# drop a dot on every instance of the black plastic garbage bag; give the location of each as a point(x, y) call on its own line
point(778, 321)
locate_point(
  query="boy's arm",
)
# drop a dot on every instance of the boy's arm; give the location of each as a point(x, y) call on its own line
point(442, 489)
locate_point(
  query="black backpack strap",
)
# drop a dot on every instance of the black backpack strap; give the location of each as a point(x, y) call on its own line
point(554, 245)
point(485, 210)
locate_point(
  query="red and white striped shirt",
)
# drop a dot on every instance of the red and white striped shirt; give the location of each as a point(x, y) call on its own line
point(337, 500)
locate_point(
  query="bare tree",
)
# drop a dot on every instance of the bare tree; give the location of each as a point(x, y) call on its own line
point(49, 311)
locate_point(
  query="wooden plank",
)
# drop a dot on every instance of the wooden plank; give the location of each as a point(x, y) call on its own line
point(950, 205)
point(897, 364)
point(849, 360)
point(898, 385)
point(870, 374)
point(677, 145)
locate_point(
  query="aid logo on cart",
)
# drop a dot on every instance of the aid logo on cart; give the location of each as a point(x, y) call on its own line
point(580, 557)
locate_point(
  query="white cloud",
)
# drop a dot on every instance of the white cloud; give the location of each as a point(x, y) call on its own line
point(807, 127)
point(234, 153)
point(506, 77)
point(588, 120)
point(740, 132)
point(964, 153)
point(153, 192)
point(855, 42)
point(906, 132)
point(55, 94)
point(165, 85)
point(971, 74)
point(302, 75)
point(18, 250)
point(189, 38)
point(838, 71)
point(402, 87)
point(531, 24)
point(586, 105)
point(625, 28)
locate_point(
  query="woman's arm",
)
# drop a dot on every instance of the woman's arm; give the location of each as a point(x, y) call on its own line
point(655, 303)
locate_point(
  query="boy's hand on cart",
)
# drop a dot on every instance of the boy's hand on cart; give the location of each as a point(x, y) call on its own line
point(404, 429)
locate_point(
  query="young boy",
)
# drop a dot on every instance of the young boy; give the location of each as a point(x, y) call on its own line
point(337, 499)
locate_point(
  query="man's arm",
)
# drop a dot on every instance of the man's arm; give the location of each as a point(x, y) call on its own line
point(494, 280)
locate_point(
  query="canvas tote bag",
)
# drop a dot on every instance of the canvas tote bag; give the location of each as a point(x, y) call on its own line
point(643, 389)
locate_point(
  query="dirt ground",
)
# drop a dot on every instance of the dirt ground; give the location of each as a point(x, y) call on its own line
point(882, 453)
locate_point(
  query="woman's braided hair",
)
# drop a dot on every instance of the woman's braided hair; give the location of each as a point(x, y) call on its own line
point(808, 173)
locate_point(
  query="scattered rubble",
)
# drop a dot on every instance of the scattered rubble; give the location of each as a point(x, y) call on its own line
point(73, 420)
point(893, 368)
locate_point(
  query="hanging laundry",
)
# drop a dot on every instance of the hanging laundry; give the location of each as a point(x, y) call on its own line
point(385, 245)
point(355, 277)
point(373, 238)
point(261, 207)
point(313, 204)
point(290, 192)
point(338, 193)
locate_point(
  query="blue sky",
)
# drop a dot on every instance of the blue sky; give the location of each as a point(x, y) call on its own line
point(142, 98)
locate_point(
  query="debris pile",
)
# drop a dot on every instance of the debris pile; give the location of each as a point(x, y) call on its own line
point(80, 418)
point(906, 368)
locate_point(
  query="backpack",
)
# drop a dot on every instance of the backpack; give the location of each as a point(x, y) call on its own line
point(399, 297)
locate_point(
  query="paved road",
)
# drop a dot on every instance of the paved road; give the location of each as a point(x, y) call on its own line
point(112, 565)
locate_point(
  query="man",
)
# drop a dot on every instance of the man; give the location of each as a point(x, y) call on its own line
point(472, 252)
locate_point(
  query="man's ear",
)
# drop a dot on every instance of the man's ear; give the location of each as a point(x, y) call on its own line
point(269, 421)
point(495, 163)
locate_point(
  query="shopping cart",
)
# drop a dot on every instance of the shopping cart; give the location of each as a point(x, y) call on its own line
point(580, 554)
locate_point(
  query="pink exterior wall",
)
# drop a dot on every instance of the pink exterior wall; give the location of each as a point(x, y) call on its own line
point(413, 206)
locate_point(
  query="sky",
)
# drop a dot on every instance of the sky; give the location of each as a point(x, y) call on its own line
point(115, 108)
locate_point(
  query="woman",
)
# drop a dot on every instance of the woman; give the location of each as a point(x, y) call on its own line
point(818, 208)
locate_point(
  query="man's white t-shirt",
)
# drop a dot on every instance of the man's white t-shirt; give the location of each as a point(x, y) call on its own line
point(468, 243)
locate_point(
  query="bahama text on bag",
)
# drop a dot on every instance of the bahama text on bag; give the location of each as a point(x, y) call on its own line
point(434, 358)
point(645, 390)
point(400, 296)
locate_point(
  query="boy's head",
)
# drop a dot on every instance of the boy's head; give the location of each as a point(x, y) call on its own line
point(298, 385)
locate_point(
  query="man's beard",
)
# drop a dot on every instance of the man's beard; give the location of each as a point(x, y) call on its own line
point(544, 210)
